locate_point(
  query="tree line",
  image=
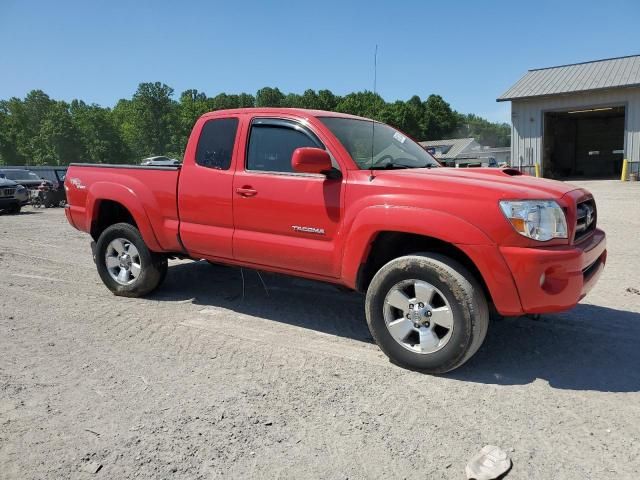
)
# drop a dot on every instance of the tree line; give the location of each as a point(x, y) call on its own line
point(39, 130)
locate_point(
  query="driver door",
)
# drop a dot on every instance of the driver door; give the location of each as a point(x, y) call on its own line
point(284, 219)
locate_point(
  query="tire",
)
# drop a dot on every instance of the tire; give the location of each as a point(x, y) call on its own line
point(144, 270)
point(441, 335)
point(15, 209)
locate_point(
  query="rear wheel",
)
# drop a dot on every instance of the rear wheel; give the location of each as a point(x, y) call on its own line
point(125, 264)
point(427, 312)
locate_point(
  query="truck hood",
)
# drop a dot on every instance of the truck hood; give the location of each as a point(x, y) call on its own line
point(499, 182)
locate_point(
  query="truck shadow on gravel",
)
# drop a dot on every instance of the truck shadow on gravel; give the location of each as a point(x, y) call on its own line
point(588, 348)
point(293, 301)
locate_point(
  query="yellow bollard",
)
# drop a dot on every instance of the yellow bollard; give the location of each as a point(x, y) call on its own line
point(625, 168)
point(537, 167)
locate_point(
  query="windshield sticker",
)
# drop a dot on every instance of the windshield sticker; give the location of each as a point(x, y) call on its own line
point(399, 137)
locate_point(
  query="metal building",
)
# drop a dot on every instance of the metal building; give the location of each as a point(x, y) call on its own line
point(577, 121)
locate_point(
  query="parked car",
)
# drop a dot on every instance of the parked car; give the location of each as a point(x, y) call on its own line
point(53, 173)
point(160, 161)
point(23, 177)
point(12, 195)
point(356, 203)
point(45, 184)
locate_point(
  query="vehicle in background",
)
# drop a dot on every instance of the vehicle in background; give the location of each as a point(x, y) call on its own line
point(160, 161)
point(12, 195)
point(45, 185)
point(24, 177)
point(52, 173)
point(471, 162)
point(48, 196)
point(353, 202)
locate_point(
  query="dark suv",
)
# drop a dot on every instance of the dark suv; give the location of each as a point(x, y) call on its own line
point(12, 195)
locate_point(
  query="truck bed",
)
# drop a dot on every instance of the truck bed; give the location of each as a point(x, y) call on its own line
point(149, 192)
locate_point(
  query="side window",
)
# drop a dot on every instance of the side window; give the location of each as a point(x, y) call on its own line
point(215, 145)
point(271, 146)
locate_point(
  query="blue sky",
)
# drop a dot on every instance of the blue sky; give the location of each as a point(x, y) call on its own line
point(468, 52)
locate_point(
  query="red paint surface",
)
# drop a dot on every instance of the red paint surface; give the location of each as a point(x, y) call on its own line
point(246, 217)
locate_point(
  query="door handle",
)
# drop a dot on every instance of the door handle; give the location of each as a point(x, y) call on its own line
point(246, 191)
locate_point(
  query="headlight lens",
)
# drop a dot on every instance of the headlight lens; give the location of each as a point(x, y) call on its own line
point(537, 219)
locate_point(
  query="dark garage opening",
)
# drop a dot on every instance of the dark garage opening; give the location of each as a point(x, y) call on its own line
point(584, 143)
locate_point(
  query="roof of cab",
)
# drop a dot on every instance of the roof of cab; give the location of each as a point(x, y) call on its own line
point(299, 112)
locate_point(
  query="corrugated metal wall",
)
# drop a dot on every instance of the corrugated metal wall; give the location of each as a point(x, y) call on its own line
point(527, 121)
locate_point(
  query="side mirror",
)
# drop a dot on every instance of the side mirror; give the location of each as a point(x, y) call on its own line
point(311, 160)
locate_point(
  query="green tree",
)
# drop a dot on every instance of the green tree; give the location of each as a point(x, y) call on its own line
point(224, 102)
point(327, 100)
point(192, 105)
point(58, 140)
point(269, 97)
point(310, 99)
point(440, 121)
point(149, 121)
point(8, 138)
point(23, 120)
point(364, 104)
point(292, 100)
point(246, 100)
point(100, 138)
point(484, 131)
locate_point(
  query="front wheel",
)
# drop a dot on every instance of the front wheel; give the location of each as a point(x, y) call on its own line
point(125, 264)
point(427, 312)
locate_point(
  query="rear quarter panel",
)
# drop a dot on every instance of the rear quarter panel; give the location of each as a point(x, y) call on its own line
point(149, 194)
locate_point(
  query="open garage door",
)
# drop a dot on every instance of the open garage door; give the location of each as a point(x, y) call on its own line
point(584, 143)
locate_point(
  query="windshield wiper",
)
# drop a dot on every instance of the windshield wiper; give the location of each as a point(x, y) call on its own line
point(390, 166)
point(397, 165)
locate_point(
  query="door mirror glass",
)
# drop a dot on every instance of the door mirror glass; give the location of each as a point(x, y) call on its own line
point(311, 160)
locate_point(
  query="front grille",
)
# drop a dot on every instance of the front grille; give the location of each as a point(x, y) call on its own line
point(586, 219)
point(7, 192)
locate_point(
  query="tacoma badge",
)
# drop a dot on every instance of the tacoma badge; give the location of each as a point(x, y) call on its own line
point(318, 231)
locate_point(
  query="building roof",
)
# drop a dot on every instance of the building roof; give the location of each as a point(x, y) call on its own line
point(609, 73)
point(484, 151)
point(456, 146)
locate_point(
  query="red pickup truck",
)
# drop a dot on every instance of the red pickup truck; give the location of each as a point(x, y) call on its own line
point(356, 203)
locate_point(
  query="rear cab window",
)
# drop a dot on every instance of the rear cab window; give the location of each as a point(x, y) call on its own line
point(216, 142)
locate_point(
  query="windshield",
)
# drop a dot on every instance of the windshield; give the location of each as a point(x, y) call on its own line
point(21, 175)
point(391, 149)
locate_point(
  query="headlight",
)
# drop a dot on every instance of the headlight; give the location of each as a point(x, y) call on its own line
point(538, 219)
point(20, 188)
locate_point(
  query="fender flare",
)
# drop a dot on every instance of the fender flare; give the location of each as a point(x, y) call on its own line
point(373, 220)
point(100, 191)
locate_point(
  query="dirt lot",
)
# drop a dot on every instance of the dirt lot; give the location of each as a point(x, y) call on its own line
point(199, 381)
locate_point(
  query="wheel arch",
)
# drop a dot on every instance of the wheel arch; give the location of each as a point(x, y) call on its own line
point(387, 245)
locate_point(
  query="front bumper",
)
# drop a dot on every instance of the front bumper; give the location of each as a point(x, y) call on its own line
point(8, 202)
point(554, 279)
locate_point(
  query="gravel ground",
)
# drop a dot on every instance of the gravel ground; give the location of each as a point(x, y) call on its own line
point(201, 381)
